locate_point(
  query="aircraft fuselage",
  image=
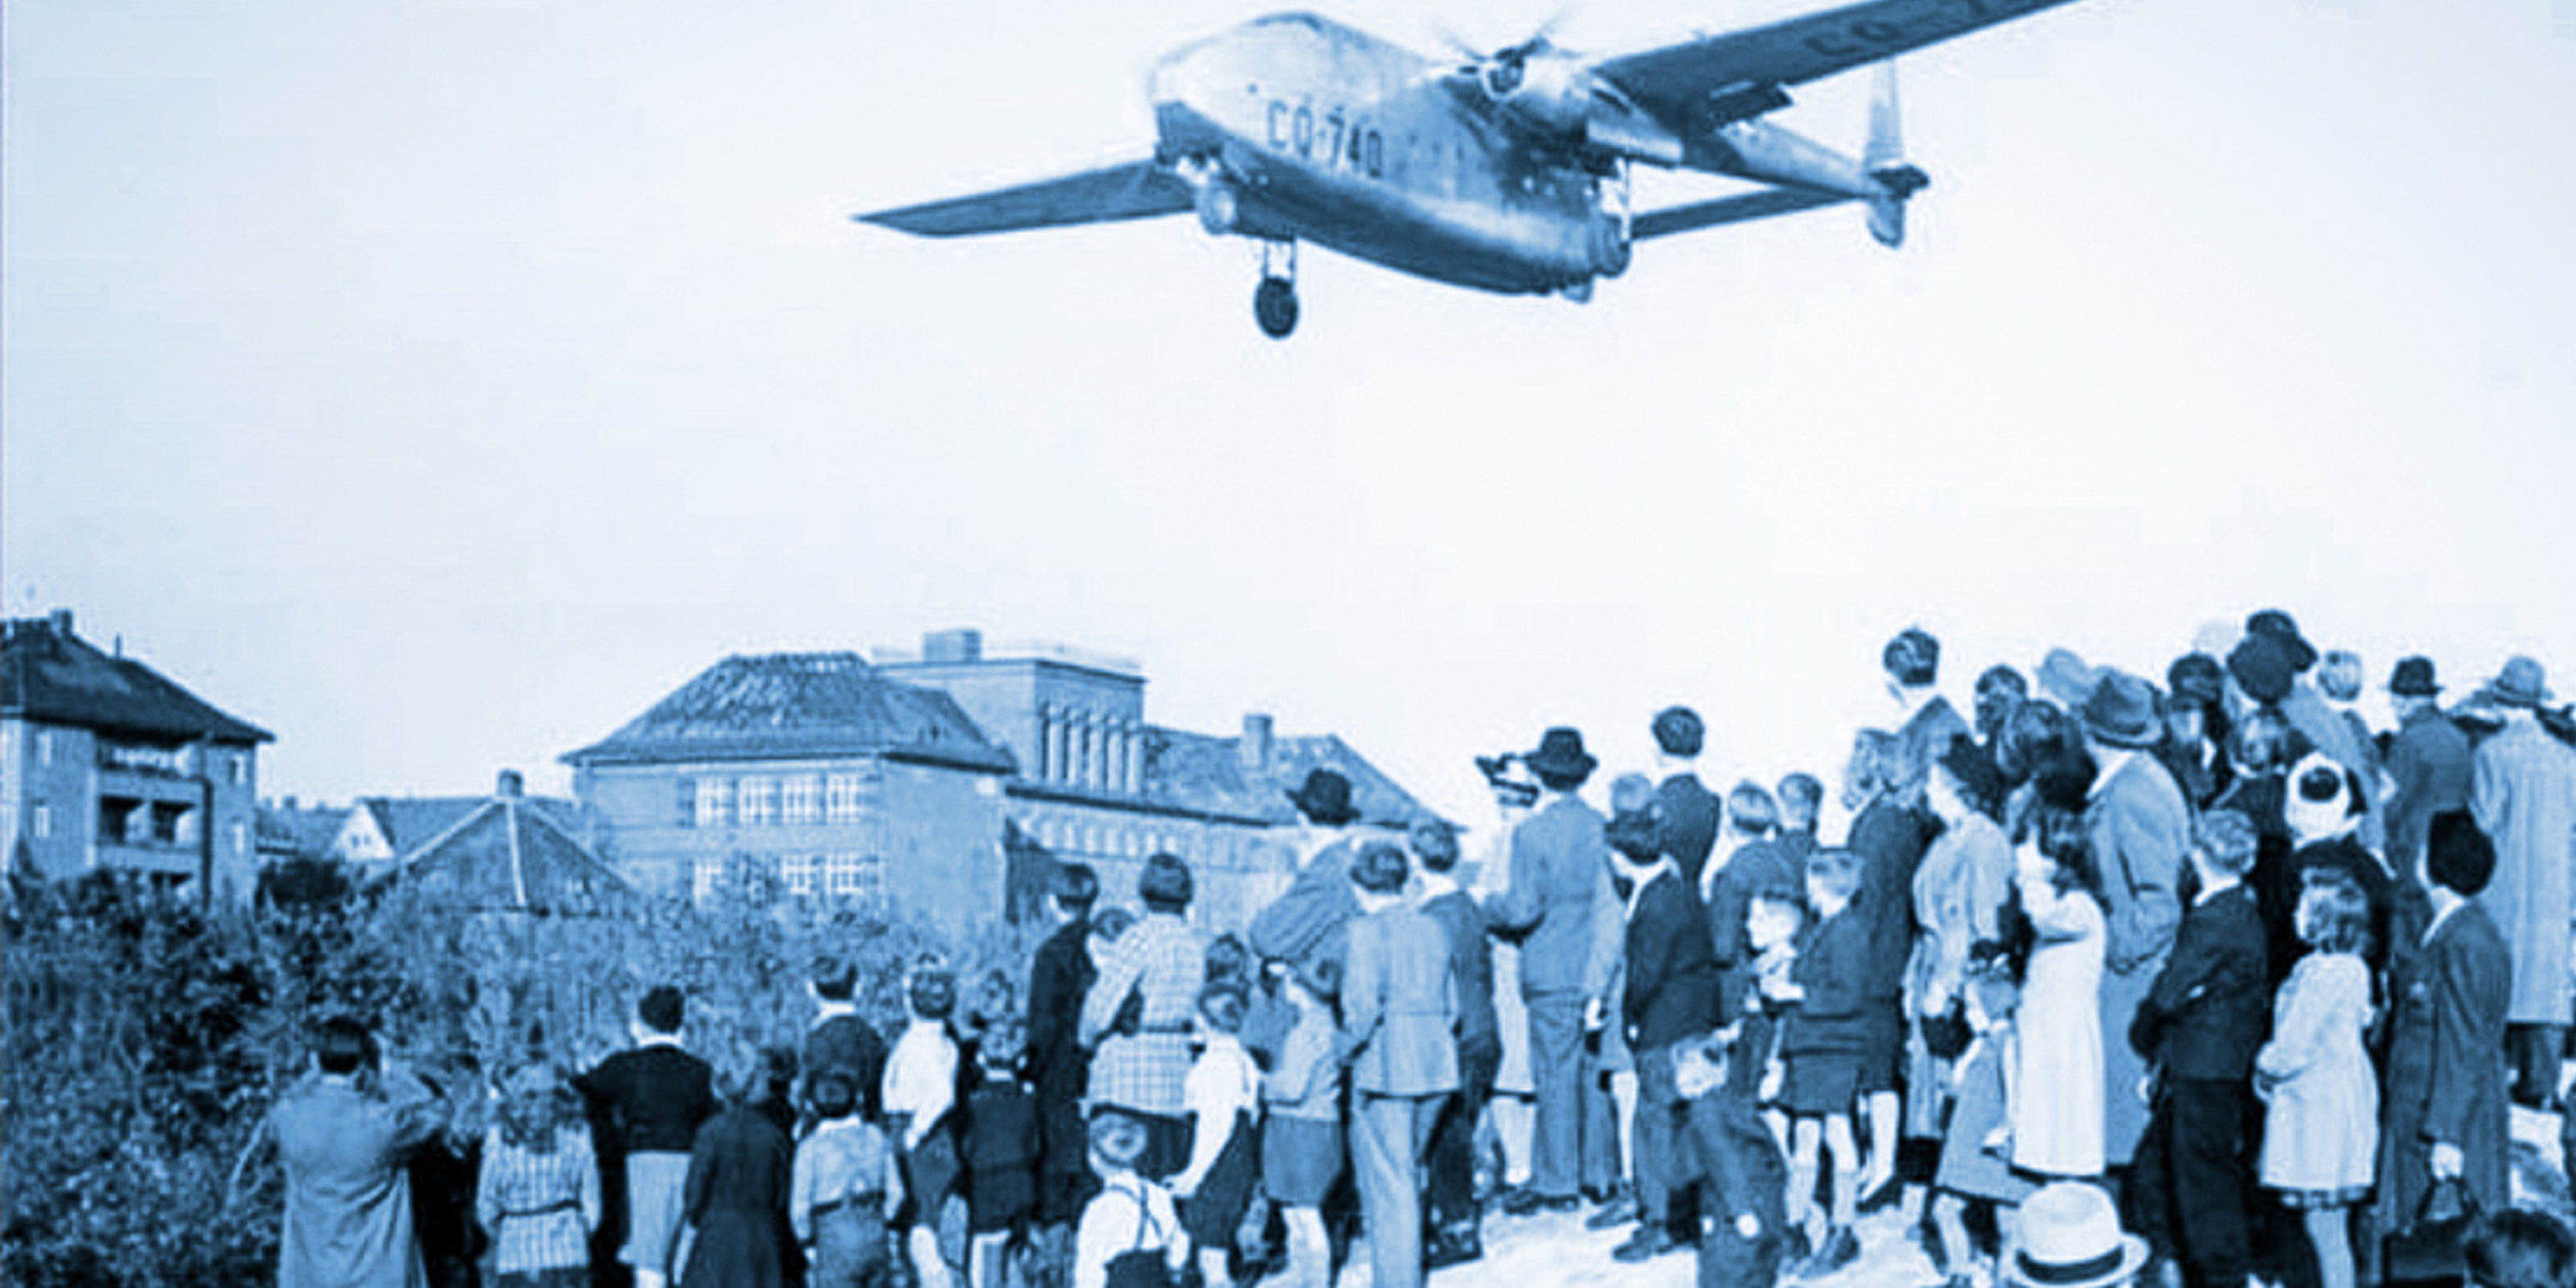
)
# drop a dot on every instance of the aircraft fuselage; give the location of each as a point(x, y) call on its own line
point(1297, 128)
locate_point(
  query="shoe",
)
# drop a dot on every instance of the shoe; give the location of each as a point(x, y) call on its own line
point(1649, 1242)
point(1613, 1214)
point(1842, 1248)
point(1526, 1202)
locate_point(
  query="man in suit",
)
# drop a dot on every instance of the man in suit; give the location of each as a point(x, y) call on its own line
point(1399, 999)
point(2444, 1113)
point(2428, 761)
point(343, 1146)
point(1060, 976)
point(2139, 828)
point(1802, 798)
point(1560, 881)
point(1671, 996)
point(2200, 1026)
point(1924, 719)
point(1686, 811)
point(646, 1103)
point(1450, 1159)
point(1307, 918)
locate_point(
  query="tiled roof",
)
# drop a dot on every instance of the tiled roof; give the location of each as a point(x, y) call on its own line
point(508, 855)
point(790, 705)
point(301, 832)
point(1207, 775)
point(48, 673)
point(409, 822)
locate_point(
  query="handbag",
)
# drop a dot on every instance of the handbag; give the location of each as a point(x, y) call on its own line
point(2431, 1245)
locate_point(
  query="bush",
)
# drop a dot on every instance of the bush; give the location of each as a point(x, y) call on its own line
point(146, 1038)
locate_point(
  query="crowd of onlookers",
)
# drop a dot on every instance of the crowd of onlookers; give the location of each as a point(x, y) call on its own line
point(2208, 983)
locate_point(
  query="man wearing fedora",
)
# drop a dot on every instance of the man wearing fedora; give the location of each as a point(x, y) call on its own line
point(1309, 918)
point(2428, 761)
point(1559, 900)
point(2071, 1238)
point(2140, 828)
point(2523, 791)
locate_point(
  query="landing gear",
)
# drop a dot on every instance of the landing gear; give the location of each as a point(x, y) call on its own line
point(1274, 302)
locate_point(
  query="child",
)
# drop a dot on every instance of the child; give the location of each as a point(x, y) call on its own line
point(1823, 1042)
point(1001, 1148)
point(538, 1195)
point(847, 1185)
point(1129, 1236)
point(1301, 1145)
point(1224, 1097)
point(2199, 1027)
point(2321, 1136)
point(920, 1089)
point(1744, 1231)
point(1974, 1164)
point(1773, 917)
point(2057, 1105)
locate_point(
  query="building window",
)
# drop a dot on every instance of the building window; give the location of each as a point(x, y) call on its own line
point(798, 872)
point(237, 768)
point(755, 801)
point(44, 746)
point(715, 801)
point(856, 876)
point(799, 800)
point(40, 820)
point(241, 838)
point(841, 798)
point(707, 876)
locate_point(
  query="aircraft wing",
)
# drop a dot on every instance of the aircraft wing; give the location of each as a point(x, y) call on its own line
point(1701, 84)
point(1729, 210)
point(1135, 190)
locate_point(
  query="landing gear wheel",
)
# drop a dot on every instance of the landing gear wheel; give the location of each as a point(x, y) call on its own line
point(1274, 306)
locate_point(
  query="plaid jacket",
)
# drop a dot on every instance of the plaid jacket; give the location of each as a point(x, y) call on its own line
point(1160, 959)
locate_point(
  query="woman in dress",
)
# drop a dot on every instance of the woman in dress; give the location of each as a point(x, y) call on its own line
point(2057, 1094)
point(1959, 896)
point(735, 1201)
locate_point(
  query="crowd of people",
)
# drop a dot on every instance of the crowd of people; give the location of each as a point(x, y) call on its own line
point(2200, 985)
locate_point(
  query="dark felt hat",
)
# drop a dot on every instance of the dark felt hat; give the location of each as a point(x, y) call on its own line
point(1561, 755)
point(2278, 625)
point(1974, 772)
point(1325, 797)
point(2122, 712)
point(2198, 679)
point(2414, 679)
point(2263, 667)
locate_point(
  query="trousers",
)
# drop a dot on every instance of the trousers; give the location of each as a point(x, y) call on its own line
point(2187, 1184)
point(1387, 1137)
point(1449, 1161)
point(1556, 1073)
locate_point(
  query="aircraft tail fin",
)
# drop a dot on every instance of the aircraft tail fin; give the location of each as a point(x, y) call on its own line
point(1883, 159)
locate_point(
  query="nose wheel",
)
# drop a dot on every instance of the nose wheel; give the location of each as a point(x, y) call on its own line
point(1274, 302)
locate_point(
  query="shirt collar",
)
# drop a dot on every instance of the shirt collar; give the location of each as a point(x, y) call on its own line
point(1436, 884)
point(2221, 886)
point(2113, 760)
point(2440, 917)
point(834, 1009)
point(1637, 886)
point(658, 1039)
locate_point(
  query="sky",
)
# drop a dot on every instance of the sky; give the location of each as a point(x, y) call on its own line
point(440, 383)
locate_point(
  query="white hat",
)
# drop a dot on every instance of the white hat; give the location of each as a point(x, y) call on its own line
point(2071, 1238)
point(2322, 819)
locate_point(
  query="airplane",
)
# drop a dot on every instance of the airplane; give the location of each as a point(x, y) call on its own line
point(1506, 173)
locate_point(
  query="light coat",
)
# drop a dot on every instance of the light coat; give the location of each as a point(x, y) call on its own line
point(348, 1197)
point(1400, 1005)
point(2525, 797)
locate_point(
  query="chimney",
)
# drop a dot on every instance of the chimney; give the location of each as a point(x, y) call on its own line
point(512, 786)
point(62, 623)
point(1254, 748)
point(953, 647)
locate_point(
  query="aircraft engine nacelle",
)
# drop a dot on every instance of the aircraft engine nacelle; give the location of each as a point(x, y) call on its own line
point(1546, 95)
